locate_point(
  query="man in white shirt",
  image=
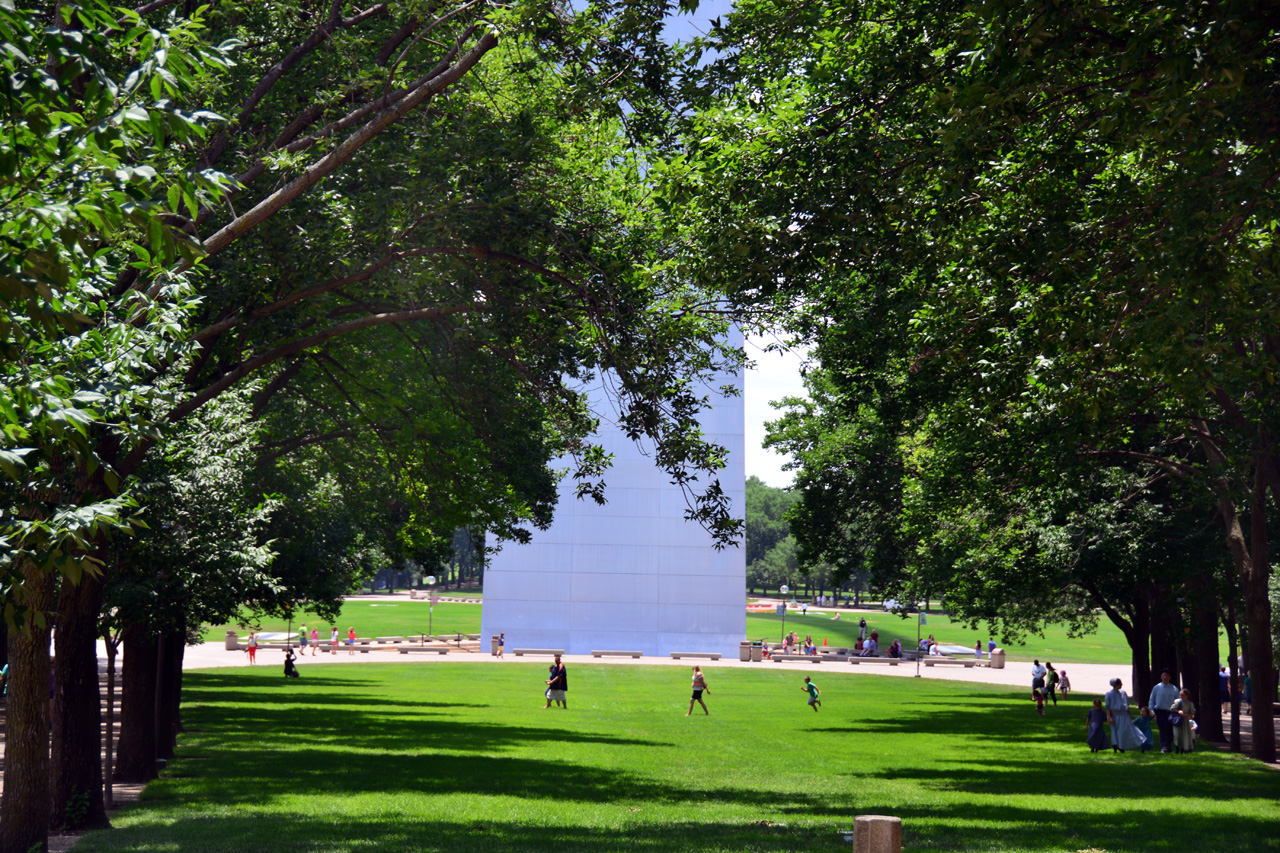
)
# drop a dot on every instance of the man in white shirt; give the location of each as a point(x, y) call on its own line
point(1038, 672)
point(1163, 696)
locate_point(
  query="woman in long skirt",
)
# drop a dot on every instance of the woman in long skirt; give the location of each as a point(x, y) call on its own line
point(1124, 734)
point(1184, 734)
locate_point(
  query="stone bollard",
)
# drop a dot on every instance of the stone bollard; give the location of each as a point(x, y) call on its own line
point(233, 641)
point(877, 833)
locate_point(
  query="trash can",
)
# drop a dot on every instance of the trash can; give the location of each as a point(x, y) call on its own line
point(757, 652)
point(233, 641)
point(493, 646)
point(744, 651)
point(997, 658)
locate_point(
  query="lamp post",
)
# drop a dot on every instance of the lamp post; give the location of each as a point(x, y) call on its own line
point(783, 590)
point(917, 639)
point(431, 606)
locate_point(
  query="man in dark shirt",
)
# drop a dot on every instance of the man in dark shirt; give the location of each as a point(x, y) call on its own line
point(557, 684)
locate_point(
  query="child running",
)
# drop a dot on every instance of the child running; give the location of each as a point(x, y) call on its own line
point(814, 693)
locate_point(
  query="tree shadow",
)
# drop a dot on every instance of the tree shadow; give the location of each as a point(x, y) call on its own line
point(342, 832)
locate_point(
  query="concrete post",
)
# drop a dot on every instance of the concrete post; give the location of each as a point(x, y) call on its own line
point(875, 833)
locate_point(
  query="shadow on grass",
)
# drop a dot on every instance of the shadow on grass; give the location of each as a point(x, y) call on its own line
point(393, 833)
point(981, 717)
point(924, 830)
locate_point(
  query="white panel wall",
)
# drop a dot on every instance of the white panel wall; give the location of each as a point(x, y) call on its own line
point(633, 574)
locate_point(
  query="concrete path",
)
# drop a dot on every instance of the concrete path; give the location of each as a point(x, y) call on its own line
point(1086, 679)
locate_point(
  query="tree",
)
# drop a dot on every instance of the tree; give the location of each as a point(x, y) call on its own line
point(87, 93)
point(542, 263)
point(1063, 210)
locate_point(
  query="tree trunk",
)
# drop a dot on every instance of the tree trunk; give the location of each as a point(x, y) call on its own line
point(168, 687)
point(1139, 639)
point(1164, 651)
point(1254, 573)
point(1203, 642)
point(1257, 602)
point(76, 781)
point(24, 810)
point(136, 750)
point(1233, 648)
point(108, 740)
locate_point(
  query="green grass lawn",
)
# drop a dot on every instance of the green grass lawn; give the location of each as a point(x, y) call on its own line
point(385, 618)
point(378, 619)
point(1107, 645)
point(462, 757)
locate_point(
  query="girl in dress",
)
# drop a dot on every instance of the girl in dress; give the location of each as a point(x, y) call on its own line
point(1184, 734)
point(1097, 736)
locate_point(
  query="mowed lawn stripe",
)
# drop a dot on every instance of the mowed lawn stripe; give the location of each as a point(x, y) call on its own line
point(463, 757)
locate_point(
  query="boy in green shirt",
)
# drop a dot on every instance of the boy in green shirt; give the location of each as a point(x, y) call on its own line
point(814, 692)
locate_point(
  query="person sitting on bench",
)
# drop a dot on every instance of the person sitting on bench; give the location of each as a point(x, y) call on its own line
point(868, 649)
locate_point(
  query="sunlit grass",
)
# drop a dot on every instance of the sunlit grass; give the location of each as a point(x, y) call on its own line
point(462, 757)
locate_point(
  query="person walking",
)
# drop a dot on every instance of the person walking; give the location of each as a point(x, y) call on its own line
point(1064, 683)
point(333, 640)
point(862, 628)
point(557, 684)
point(1051, 683)
point(1184, 732)
point(351, 640)
point(1037, 676)
point(502, 642)
point(814, 693)
point(1163, 695)
point(699, 685)
point(1096, 737)
point(251, 647)
point(302, 639)
point(1124, 734)
point(315, 640)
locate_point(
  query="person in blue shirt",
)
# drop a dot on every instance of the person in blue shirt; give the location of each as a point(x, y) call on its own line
point(1143, 724)
point(1163, 695)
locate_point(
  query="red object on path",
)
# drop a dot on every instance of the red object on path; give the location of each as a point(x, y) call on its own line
point(824, 641)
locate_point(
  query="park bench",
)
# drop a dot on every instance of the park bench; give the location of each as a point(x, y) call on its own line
point(439, 650)
point(856, 660)
point(521, 652)
point(415, 594)
point(707, 655)
point(389, 640)
point(930, 661)
point(779, 657)
point(601, 653)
